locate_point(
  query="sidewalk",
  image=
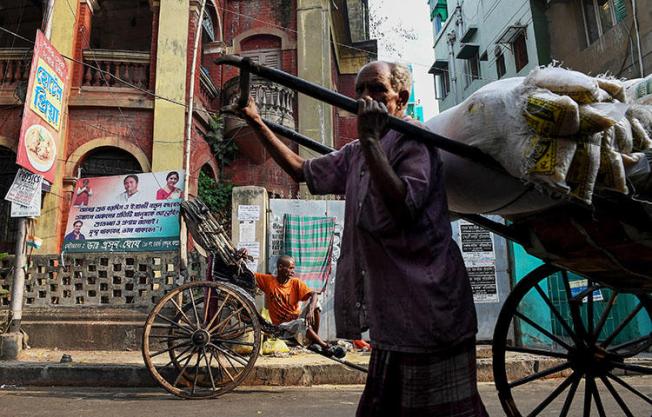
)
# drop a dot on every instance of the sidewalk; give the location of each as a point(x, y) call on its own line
point(41, 367)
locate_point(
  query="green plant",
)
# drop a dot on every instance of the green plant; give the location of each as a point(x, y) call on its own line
point(217, 197)
point(225, 150)
point(217, 194)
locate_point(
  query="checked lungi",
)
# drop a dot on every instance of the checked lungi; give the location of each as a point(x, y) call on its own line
point(422, 384)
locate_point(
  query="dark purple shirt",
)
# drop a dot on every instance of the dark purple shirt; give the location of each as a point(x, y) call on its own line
point(406, 282)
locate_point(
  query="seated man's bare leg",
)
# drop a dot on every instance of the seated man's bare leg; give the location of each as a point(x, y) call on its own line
point(314, 338)
point(315, 326)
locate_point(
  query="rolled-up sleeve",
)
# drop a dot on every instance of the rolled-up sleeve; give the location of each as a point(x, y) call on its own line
point(327, 174)
point(416, 164)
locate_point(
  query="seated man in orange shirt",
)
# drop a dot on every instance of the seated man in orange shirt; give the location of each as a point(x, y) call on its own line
point(283, 293)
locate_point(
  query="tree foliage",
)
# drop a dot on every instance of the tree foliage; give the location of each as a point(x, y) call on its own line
point(391, 35)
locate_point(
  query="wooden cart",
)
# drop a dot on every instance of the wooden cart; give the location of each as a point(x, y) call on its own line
point(596, 259)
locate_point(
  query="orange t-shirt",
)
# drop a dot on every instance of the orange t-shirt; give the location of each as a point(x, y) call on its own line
point(282, 300)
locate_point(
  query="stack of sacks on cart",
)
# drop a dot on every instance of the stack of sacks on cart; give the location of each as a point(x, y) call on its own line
point(557, 131)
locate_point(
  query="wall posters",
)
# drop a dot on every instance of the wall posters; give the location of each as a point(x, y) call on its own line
point(25, 188)
point(44, 110)
point(125, 213)
point(480, 260)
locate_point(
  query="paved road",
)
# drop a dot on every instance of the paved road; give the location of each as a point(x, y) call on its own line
point(322, 401)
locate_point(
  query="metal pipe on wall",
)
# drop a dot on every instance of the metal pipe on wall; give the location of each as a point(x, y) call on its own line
point(183, 233)
point(638, 38)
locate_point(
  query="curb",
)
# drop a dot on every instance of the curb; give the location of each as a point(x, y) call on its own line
point(113, 375)
point(16, 373)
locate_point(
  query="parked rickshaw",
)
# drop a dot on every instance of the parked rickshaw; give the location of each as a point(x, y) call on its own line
point(596, 258)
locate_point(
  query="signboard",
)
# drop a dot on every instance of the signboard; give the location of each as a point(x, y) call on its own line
point(125, 213)
point(581, 285)
point(25, 188)
point(44, 108)
point(33, 210)
point(480, 260)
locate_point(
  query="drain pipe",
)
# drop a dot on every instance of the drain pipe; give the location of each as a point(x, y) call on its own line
point(638, 38)
point(453, 70)
point(183, 237)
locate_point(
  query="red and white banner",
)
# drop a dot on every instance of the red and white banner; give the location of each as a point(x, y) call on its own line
point(44, 109)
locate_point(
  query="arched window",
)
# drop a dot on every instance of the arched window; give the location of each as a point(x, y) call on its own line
point(262, 49)
point(107, 161)
point(122, 25)
point(8, 229)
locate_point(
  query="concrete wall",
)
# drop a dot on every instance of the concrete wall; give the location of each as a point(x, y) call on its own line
point(249, 223)
point(327, 208)
point(169, 118)
point(612, 52)
point(491, 18)
point(94, 301)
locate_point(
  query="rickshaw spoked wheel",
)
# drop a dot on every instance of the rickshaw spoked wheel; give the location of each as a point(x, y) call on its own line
point(202, 349)
point(574, 337)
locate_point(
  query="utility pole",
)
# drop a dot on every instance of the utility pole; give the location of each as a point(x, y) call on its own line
point(18, 286)
point(183, 232)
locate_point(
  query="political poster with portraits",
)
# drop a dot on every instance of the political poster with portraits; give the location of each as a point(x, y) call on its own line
point(44, 110)
point(125, 213)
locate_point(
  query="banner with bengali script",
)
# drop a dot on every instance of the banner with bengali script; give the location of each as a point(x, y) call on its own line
point(125, 213)
point(44, 109)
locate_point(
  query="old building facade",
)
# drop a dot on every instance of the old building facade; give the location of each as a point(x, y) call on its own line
point(130, 63)
point(478, 42)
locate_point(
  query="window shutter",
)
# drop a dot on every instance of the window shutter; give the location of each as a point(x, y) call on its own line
point(271, 59)
point(620, 9)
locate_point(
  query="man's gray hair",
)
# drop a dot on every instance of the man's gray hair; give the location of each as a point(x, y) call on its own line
point(401, 77)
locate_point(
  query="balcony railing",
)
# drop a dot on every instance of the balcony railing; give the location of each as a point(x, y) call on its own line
point(130, 66)
point(275, 102)
point(14, 65)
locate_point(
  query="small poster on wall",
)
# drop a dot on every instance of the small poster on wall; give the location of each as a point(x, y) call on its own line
point(480, 260)
point(125, 213)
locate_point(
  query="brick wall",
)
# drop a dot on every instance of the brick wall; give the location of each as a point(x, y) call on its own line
point(10, 120)
point(266, 13)
point(88, 123)
point(345, 124)
point(269, 14)
point(268, 174)
point(82, 41)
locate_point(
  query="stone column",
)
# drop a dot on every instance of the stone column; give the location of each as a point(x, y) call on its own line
point(171, 81)
point(246, 231)
point(314, 64)
point(249, 220)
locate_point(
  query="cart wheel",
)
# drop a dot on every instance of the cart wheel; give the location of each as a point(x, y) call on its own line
point(198, 349)
point(588, 352)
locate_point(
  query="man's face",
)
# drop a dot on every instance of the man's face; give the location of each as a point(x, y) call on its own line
point(130, 185)
point(374, 81)
point(77, 227)
point(286, 269)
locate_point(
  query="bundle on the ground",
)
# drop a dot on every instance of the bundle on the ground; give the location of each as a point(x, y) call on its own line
point(558, 129)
